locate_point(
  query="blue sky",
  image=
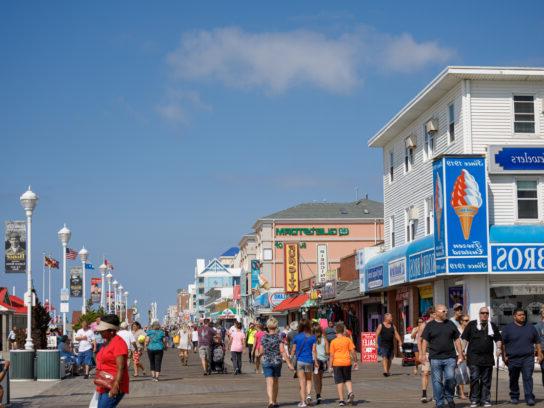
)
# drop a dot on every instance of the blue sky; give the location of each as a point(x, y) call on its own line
point(160, 132)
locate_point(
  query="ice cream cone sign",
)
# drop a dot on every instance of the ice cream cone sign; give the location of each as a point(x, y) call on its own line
point(438, 203)
point(466, 200)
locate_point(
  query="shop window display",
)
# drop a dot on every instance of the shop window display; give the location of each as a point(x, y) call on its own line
point(504, 299)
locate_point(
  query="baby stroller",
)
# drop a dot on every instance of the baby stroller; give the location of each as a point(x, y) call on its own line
point(408, 354)
point(217, 363)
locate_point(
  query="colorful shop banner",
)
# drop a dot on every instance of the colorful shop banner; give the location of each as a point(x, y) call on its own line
point(276, 298)
point(322, 263)
point(374, 277)
point(96, 290)
point(524, 258)
point(421, 265)
point(76, 281)
point(362, 281)
point(292, 277)
point(397, 271)
point(460, 214)
point(255, 272)
point(15, 247)
point(516, 159)
point(369, 347)
point(243, 282)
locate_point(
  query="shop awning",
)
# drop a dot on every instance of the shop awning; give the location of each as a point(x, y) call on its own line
point(527, 234)
point(292, 303)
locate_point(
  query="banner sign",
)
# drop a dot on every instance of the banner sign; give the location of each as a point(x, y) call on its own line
point(397, 271)
point(292, 278)
point(15, 247)
point(255, 272)
point(362, 281)
point(455, 295)
point(421, 265)
point(369, 347)
point(243, 282)
point(525, 258)
point(322, 263)
point(329, 290)
point(460, 215)
point(311, 231)
point(96, 290)
point(76, 281)
point(515, 159)
point(374, 277)
point(276, 298)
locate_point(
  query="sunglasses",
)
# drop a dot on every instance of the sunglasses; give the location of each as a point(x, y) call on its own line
point(466, 320)
point(484, 313)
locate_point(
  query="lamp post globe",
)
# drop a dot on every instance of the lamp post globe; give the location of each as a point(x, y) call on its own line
point(83, 255)
point(64, 237)
point(28, 200)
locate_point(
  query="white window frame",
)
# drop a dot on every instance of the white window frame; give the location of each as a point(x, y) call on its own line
point(538, 198)
point(535, 114)
point(409, 227)
point(409, 157)
point(428, 155)
point(451, 121)
point(391, 167)
point(429, 215)
point(392, 231)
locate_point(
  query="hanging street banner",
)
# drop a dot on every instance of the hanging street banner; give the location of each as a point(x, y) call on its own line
point(96, 290)
point(15, 247)
point(76, 281)
point(255, 272)
point(322, 263)
point(292, 278)
point(460, 214)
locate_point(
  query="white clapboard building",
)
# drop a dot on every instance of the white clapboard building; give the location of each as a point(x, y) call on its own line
point(466, 157)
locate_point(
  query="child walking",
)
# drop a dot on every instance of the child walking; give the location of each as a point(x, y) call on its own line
point(342, 353)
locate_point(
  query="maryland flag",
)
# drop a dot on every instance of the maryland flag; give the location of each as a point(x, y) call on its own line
point(108, 264)
point(50, 263)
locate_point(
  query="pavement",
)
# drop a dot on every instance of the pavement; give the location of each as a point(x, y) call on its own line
point(186, 387)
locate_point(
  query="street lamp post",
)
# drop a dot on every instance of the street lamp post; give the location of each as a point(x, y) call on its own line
point(126, 306)
point(28, 202)
point(103, 268)
point(83, 255)
point(120, 302)
point(64, 236)
point(109, 276)
point(115, 284)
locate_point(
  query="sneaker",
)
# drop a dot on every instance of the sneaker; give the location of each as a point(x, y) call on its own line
point(302, 404)
point(531, 402)
point(86, 376)
point(487, 404)
point(309, 400)
point(318, 400)
point(424, 399)
point(514, 401)
point(451, 404)
point(474, 404)
point(341, 404)
point(351, 398)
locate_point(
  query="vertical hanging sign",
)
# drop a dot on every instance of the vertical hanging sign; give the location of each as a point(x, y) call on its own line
point(15, 247)
point(322, 263)
point(292, 281)
point(460, 215)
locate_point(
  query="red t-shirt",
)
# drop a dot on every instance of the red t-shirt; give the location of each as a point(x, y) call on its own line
point(106, 361)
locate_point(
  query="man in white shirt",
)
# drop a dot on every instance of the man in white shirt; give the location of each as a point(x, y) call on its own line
point(128, 337)
point(85, 337)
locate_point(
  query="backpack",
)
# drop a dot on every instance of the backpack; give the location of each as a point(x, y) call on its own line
point(218, 355)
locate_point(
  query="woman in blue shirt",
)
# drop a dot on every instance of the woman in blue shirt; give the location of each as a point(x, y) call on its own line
point(155, 342)
point(306, 360)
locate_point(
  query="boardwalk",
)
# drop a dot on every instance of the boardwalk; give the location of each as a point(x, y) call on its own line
point(187, 387)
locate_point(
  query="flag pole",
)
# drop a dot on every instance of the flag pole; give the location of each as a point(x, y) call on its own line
point(43, 277)
point(49, 290)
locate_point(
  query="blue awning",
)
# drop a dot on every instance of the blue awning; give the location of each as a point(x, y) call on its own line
point(527, 234)
point(261, 301)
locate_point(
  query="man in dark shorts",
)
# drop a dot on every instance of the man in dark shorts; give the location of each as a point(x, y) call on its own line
point(205, 339)
point(342, 353)
point(387, 333)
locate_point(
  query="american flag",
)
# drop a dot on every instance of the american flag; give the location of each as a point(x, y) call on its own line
point(71, 254)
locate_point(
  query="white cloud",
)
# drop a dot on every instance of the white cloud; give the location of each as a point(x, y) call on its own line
point(178, 103)
point(172, 111)
point(277, 61)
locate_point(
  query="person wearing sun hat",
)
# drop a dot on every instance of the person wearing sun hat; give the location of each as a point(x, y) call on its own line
point(112, 359)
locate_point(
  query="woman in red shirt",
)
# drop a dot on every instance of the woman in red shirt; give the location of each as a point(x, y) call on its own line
point(111, 359)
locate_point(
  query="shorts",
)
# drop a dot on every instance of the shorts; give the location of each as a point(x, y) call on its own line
point(195, 343)
point(306, 367)
point(415, 348)
point(204, 352)
point(342, 374)
point(386, 352)
point(322, 365)
point(136, 356)
point(85, 357)
point(272, 370)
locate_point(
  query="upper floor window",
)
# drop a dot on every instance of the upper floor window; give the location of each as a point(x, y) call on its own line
point(392, 231)
point(428, 147)
point(391, 167)
point(451, 122)
point(527, 196)
point(429, 216)
point(524, 114)
point(410, 225)
point(408, 155)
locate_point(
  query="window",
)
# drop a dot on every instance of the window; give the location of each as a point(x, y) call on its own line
point(410, 225)
point(429, 143)
point(524, 114)
point(200, 280)
point(451, 122)
point(392, 231)
point(408, 156)
point(391, 166)
point(429, 216)
point(527, 199)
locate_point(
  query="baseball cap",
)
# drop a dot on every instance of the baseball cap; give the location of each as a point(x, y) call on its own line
point(457, 306)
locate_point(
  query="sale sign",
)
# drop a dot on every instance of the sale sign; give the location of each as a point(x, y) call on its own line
point(369, 347)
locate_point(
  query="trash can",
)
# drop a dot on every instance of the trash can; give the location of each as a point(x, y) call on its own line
point(48, 362)
point(5, 384)
point(22, 365)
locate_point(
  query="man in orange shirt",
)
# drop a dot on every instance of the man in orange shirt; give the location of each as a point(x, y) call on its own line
point(342, 353)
